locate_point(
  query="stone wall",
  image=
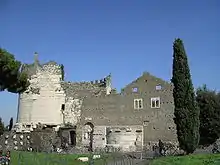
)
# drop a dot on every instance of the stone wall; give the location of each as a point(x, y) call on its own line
point(124, 138)
point(51, 101)
point(118, 109)
point(15, 141)
point(41, 140)
point(43, 99)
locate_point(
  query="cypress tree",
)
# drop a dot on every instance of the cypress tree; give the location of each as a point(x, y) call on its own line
point(2, 127)
point(10, 124)
point(186, 111)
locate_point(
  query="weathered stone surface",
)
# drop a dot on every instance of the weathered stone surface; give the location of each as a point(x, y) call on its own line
point(55, 103)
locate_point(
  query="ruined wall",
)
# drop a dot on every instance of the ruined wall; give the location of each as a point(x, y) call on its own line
point(37, 141)
point(13, 141)
point(75, 93)
point(49, 100)
point(128, 138)
point(118, 110)
point(42, 101)
point(158, 122)
point(124, 138)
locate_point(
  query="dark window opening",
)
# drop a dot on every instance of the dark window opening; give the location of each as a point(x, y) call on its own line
point(153, 104)
point(136, 104)
point(63, 107)
point(157, 103)
point(140, 104)
point(73, 138)
point(138, 130)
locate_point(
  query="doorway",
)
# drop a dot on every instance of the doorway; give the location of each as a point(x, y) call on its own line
point(73, 138)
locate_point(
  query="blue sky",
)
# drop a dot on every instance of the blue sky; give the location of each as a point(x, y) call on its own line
point(125, 37)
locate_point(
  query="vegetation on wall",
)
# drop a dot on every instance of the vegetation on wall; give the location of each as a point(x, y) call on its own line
point(209, 104)
point(186, 111)
point(11, 78)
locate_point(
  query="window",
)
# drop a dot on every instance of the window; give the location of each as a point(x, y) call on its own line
point(145, 123)
point(138, 104)
point(134, 89)
point(63, 107)
point(158, 87)
point(155, 102)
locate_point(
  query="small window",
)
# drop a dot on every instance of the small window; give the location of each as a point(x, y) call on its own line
point(158, 87)
point(63, 107)
point(134, 89)
point(155, 102)
point(145, 123)
point(138, 104)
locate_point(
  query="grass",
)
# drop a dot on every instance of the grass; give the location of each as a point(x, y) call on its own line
point(203, 159)
point(30, 158)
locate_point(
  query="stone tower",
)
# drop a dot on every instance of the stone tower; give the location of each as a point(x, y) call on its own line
point(41, 102)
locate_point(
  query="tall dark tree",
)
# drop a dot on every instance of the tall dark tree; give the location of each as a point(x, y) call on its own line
point(10, 124)
point(2, 127)
point(209, 104)
point(11, 77)
point(186, 110)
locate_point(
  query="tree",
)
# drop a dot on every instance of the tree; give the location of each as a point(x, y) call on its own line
point(186, 110)
point(209, 104)
point(11, 77)
point(2, 127)
point(10, 124)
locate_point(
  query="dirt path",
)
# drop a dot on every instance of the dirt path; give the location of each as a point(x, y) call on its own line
point(129, 162)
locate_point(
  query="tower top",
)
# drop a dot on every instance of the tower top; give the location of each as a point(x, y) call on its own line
point(36, 61)
point(35, 56)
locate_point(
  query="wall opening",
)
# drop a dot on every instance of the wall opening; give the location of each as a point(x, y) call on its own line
point(63, 107)
point(73, 138)
point(90, 130)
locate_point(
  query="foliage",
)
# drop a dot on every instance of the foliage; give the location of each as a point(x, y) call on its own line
point(11, 78)
point(2, 127)
point(203, 159)
point(10, 124)
point(186, 111)
point(209, 104)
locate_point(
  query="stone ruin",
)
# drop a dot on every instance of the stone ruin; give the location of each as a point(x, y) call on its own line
point(55, 113)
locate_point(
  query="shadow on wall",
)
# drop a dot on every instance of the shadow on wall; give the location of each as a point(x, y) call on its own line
point(89, 129)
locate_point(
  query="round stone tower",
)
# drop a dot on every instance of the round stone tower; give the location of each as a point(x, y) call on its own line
point(44, 99)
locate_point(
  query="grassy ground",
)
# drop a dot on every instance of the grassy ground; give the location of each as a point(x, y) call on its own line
point(203, 159)
point(30, 158)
